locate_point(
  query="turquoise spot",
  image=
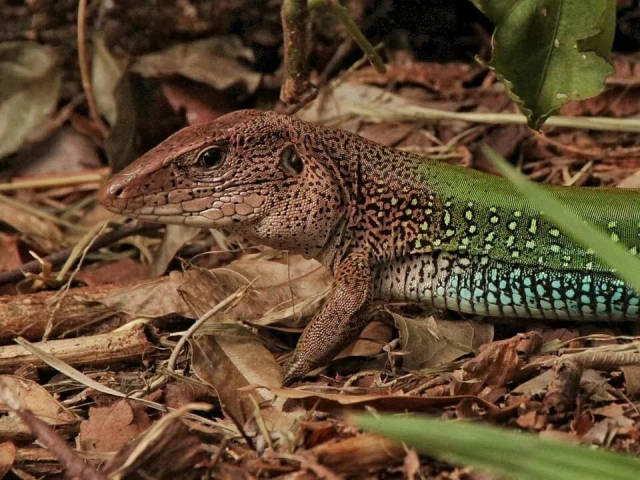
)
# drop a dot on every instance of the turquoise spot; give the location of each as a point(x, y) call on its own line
point(527, 281)
point(558, 304)
point(541, 290)
point(503, 284)
point(555, 284)
point(505, 299)
point(570, 293)
point(556, 294)
point(585, 299)
point(517, 298)
point(491, 298)
point(545, 305)
point(466, 294)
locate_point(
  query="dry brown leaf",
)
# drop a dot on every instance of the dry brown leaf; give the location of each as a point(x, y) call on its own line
point(430, 343)
point(499, 362)
point(632, 379)
point(30, 79)
point(537, 385)
point(108, 429)
point(37, 231)
point(392, 403)
point(9, 247)
point(7, 457)
point(194, 60)
point(120, 271)
point(228, 356)
point(285, 291)
point(38, 400)
point(175, 237)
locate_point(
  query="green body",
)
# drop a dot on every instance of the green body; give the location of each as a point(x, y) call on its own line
point(495, 254)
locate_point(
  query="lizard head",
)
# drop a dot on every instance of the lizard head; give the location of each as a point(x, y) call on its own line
point(262, 174)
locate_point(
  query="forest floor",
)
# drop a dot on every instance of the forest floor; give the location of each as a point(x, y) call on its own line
point(100, 384)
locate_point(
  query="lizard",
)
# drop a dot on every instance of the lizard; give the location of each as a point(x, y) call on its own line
point(388, 224)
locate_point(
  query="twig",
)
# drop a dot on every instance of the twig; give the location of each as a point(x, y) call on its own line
point(296, 87)
point(60, 257)
point(55, 181)
point(413, 112)
point(171, 364)
point(83, 61)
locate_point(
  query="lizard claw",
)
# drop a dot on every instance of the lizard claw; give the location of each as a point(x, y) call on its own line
point(296, 369)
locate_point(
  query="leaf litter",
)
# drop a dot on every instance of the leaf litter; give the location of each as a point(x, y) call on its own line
point(517, 374)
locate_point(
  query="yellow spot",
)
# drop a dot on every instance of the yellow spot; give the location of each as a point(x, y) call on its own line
point(615, 237)
point(394, 201)
point(490, 236)
point(437, 242)
point(530, 244)
point(633, 250)
point(450, 233)
point(517, 213)
point(380, 214)
point(472, 229)
point(493, 210)
point(510, 240)
point(555, 248)
point(612, 224)
point(512, 225)
point(554, 232)
point(515, 254)
point(533, 226)
point(424, 226)
point(465, 240)
point(494, 219)
point(408, 211)
point(468, 215)
point(447, 218)
point(428, 211)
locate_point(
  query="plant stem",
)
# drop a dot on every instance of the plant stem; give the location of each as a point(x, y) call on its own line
point(353, 30)
point(412, 112)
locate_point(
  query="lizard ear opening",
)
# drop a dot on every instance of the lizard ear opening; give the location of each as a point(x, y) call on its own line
point(290, 162)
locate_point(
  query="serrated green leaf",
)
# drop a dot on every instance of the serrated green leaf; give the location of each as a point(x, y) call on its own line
point(515, 455)
point(548, 52)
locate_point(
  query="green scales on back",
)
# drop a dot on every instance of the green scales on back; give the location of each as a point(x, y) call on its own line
point(503, 258)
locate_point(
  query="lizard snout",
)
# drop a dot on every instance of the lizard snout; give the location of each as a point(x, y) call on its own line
point(115, 193)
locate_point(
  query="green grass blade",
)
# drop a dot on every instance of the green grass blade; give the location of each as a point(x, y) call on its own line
point(562, 216)
point(519, 456)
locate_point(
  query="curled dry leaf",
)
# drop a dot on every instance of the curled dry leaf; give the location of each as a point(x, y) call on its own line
point(228, 357)
point(284, 290)
point(115, 99)
point(329, 402)
point(194, 60)
point(430, 343)
point(38, 400)
point(30, 80)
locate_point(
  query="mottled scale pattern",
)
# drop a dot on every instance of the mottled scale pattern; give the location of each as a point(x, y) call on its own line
point(431, 232)
point(483, 286)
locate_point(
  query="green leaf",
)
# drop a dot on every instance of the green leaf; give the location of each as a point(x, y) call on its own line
point(515, 455)
point(548, 52)
point(611, 253)
point(495, 10)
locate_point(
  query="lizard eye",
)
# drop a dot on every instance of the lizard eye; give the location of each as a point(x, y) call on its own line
point(290, 161)
point(211, 157)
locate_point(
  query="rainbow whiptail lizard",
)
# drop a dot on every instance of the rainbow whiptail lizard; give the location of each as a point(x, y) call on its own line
point(388, 224)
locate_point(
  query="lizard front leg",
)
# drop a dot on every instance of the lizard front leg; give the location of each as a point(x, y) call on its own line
point(341, 319)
